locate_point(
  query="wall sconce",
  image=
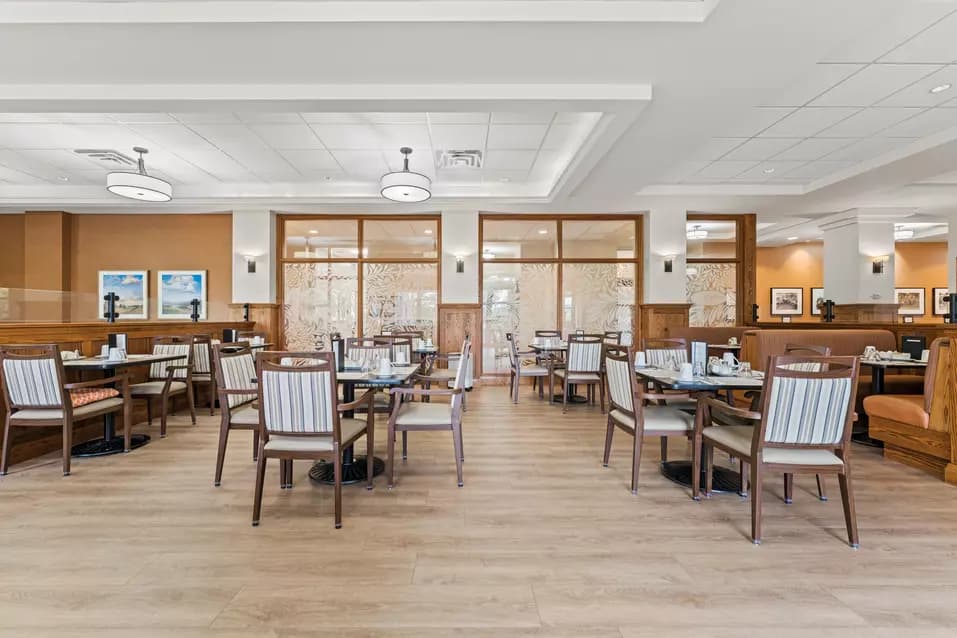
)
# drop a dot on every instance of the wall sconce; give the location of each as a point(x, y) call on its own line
point(877, 266)
point(250, 263)
point(459, 263)
point(669, 263)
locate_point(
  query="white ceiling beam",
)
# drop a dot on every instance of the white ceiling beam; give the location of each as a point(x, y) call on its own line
point(248, 11)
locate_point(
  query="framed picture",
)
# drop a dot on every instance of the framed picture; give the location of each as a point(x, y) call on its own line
point(176, 289)
point(910, 301)
point(941, 307)
point(131, 288)
point(787, 301)
point(817, 301)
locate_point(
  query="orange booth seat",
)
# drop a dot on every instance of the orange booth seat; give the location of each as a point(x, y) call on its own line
point(920, 430)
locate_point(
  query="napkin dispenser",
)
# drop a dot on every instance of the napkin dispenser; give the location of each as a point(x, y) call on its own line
point(117, 340)
point(230, 335)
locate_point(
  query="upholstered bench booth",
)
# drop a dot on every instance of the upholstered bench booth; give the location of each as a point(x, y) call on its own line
point(920, 430)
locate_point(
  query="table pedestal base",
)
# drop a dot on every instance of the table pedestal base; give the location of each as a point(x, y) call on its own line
point(575, 398)
point(723, 479)
point(354, 472)
point(114, 445)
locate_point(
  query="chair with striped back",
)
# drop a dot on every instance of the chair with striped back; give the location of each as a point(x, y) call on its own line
point(366, 350)
point(665, 353)
point(235, 369)
point(527, 368)
point(582, 366)
point(36, 396)
point(804, 426)
point(612, 337)
point(400, 347)
point(446, 376)
point(168, 379)
point(408, 415)
point(300, 417)
point(203, 367)
point(630, 409)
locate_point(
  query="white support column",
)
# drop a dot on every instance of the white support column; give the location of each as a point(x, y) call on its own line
point(952, 254)
point(460, 238)
point(852, 244)
point(665, 237)
point(254, 237)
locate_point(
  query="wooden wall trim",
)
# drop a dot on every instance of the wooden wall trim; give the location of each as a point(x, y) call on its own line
point(457, 320)
point(657, 319)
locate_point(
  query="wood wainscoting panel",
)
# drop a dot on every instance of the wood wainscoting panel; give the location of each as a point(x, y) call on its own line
point(456, 321)
point(655, 319)
point(264, 315)
point(866, 313)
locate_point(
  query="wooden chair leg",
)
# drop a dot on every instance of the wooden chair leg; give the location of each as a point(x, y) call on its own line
point(601, 396)
point(664, 449)
point(127, 426)
point(337, 473)
point(370, 456)
point(149, 412)
point(390, 456)
point(821, 492)
point(744, 469)
point(636, 460)
point(541, 387)
point(551, 388)
point(457, 444)
point(212, 397)
point(565, 391)
point(258, 494)
point(5, 454)
point(67, 447)
point(255, 445)
point(405, 445)
point(221, 451)
point(192, 402)
point(708, 453)
point(289, 470)
point(609, 433)
point(165, 400)
point(756, 498)
point(696, 449)
point(788, 488)
point(850, 514)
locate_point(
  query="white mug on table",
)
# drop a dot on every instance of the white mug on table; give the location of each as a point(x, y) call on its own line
point(925, 355)
point(640, 361)
point(400, 358)
point(116, 354)
point(686, 372)
point(105, 350)
point(385, 367)
point(729, 359)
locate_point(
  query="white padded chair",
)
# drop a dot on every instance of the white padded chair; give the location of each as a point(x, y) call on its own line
point(168, 379)
point(524, 368)
point(582, 366)
point(235, 370)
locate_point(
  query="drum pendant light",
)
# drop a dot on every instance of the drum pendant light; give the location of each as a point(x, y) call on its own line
point(139, 185)
point(405, 185)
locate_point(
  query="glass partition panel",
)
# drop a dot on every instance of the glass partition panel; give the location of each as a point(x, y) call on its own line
point(599, 297)
point(519, 239)
point(322, 239)
point(517, 298)
point(399, 297)
point(399, 239)
point(712, 240)
point(318, 299)
point(712, 293)
point(598, 239)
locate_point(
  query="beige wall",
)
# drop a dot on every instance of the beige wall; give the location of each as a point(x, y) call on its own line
point(11, 251)
point(917, 265)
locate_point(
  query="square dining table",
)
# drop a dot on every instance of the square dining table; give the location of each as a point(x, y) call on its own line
point(724, 479)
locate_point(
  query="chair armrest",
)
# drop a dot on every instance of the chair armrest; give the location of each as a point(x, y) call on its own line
point(424, 393)
point(664, 396)
point(427, 378)
point(367, 397)
point(714, 405)
point(120, 378)
point(245, 392)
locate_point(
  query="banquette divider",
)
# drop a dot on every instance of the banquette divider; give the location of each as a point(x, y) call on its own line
point(88, 337)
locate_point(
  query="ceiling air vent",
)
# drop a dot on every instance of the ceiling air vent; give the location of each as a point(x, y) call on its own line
point(107, 156)
point(458, 159)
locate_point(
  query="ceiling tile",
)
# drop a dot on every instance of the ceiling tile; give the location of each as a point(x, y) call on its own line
point(509, 160)
point(361, 164)
point(335, 118)
point(821, 77)
point(459, 118)
point(499, 177)
point(559, 135)
point(522, 118)
point(717, 147)
point(723, 170)
point(397, 118)
point(761, 148)
point(879, 31)
point(918, 93)
point(287, 136)
point(269, 118)
point(143, 118)
point(395, 136)
point(808, 121)
point(873, 84)
point(307, 161)
point(682, 171)
point(458, 136)
point(868, 122)
point(207, 118)
point(62, 159)
point(756, 120)
point(927, 123)
point(12, 176)
point(816, 170)
point(867, 149)
point(173, 136)
point(758, 173)
point(935, 44)
point(348, 136)
point(516, 136)
point(813, 149)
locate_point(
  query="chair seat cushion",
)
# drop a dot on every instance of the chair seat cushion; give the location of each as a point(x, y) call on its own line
point(202, 377)
point(424, 414)
point(109, 405)
point(533, 371)
point(279, 443)
point(155, 388)
point(84, 396)
point(443, 373)
point(903, 408)
point(580, 377)
point(737, 438)
point(245, 415)
point(658, 419)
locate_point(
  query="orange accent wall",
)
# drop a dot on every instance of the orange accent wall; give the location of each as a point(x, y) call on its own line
point(917, 265)
point(11, 251)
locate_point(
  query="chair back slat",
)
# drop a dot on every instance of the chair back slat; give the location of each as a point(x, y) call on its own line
point(365, 350)
point(663, 353)
point(235, 369)
point(584, 353)
point(461, 373)
point(32, 382)
point(619, 372)
point(172, 346)
point(202, 354)
point(295, 398)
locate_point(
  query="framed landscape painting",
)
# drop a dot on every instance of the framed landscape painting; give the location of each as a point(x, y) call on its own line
point(131, 288)
point(910, 301)
point(177, 288)
point(787, 301)
point(941, 307)
point(817, 299)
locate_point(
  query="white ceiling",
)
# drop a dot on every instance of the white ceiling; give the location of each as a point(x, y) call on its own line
point(581, 105)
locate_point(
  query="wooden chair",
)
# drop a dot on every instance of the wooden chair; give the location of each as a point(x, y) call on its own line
point(300, 417)
point(549, 334)
point(235, 369)
point(203, 367)
point(366, 351)
point(36, 396)
point(612, 337)
point(582, 366)
point(399, 345)
point(519, 369)
point(408, 416)
point(804, 426)
point(631, 411)
point(168, 379)
point(446, 376)
point(665, 353)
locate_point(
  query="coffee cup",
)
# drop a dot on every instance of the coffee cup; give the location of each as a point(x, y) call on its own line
point(104, 351)
point(925, 355)
point(385, 367)
point(640, 361)
point(400, 358)
point(686, 372)
point(870, 352)
point(729, 360)
point(732, 341)
point(116, 354)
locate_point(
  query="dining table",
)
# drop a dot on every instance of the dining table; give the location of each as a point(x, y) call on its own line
point(110, 443)
point(559, 347)
point(723, 479)
point(354, 467)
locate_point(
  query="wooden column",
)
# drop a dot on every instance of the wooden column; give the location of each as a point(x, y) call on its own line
point(655, 319)
point(47, 241)
point(747, 268)
point(457, 320)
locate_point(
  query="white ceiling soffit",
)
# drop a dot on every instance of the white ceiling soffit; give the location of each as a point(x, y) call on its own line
point(250, 11)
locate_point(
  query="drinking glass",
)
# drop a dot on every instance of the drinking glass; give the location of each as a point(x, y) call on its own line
point(744, 369)
point(699, 368)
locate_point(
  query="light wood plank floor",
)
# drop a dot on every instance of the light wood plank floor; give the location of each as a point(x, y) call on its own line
point(541, 541)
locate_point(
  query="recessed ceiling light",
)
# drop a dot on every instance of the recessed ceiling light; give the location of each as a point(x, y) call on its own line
point(792, 238)
point(505, 179)
point(64, 178)
point(328, 178)
point(769, 170)
point(940, 88)
point(428, 231)
point(542, 231)
point(313, 232)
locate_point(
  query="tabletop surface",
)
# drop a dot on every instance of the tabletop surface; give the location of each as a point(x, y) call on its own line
point(669, 379)
point(131, 360)
point(558, 345)
point(726, 346)
point(400, 374)
point(890, 363)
